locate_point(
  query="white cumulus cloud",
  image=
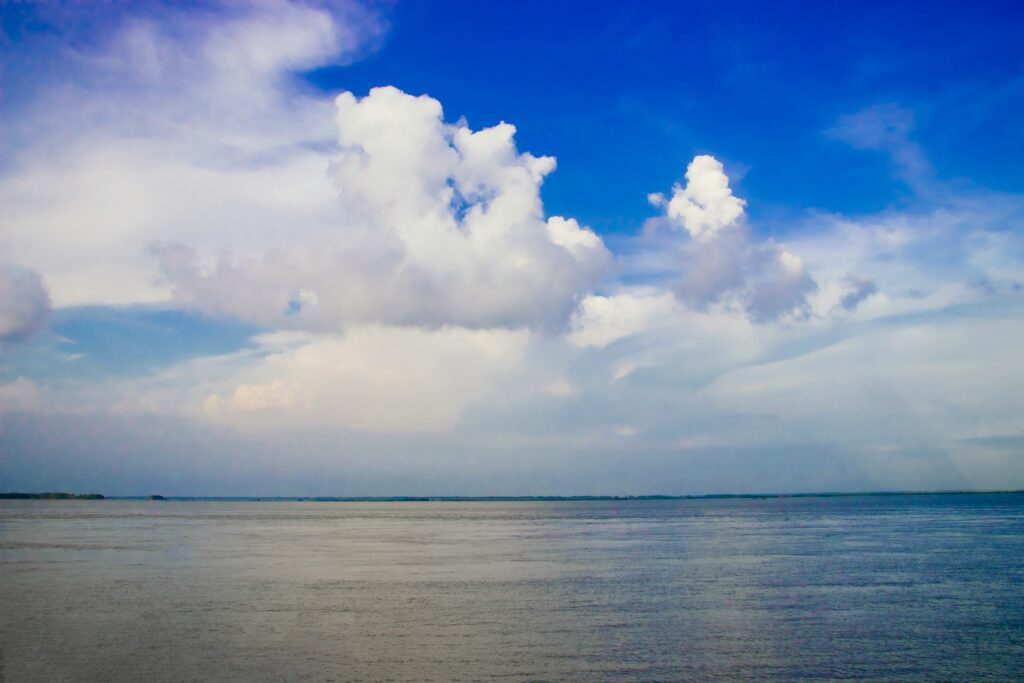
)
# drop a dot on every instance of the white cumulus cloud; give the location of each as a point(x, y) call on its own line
point(706, 204)
point(723, 264)
point(233, 189)
point(438, 224)
point(602, 320)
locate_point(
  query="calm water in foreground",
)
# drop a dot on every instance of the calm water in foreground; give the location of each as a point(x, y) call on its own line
point(899, 588)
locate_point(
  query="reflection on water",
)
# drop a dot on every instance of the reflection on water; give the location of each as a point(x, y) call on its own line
point(916, 587)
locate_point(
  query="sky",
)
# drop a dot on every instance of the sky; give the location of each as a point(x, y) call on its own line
point(531, 248)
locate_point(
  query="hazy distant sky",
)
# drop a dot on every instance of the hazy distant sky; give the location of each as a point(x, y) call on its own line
point(326, 249)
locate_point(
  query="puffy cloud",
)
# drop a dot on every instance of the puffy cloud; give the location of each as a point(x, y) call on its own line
point(581, 242)
point(182, 160)
point(706, 205)
point(679, 383)
point(235, 190)
point(722, 264)
point(439, 225)
point(602, 320)
point(24, 303)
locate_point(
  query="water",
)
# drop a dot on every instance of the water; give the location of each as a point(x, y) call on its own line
point(898, 588)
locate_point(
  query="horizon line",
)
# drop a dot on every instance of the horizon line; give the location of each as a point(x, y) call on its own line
point(58, 495)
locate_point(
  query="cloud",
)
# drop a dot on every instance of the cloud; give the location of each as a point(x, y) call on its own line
point(859, 290)
point(24, 303)
point(179, 125)
point(908, 379)
point(963, 250)
point(603, 320)
point(20, 395)
point(936, 380)
point(438, 225)
point(706, 204)
point(887, 128)
point(416, 300)
point(217, 80)
point(723, 264)
point(234, 189)
point(247, 398)
point(374, 378)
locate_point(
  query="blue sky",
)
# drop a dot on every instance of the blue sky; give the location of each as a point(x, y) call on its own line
point(292, 248)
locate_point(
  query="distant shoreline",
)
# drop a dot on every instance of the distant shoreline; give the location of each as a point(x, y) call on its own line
point(488, 499)
point(52, 495)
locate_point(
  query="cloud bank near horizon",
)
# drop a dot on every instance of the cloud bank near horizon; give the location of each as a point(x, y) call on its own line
point(414, 297)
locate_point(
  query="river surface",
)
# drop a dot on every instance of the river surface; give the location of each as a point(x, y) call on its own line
point(845, 588)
